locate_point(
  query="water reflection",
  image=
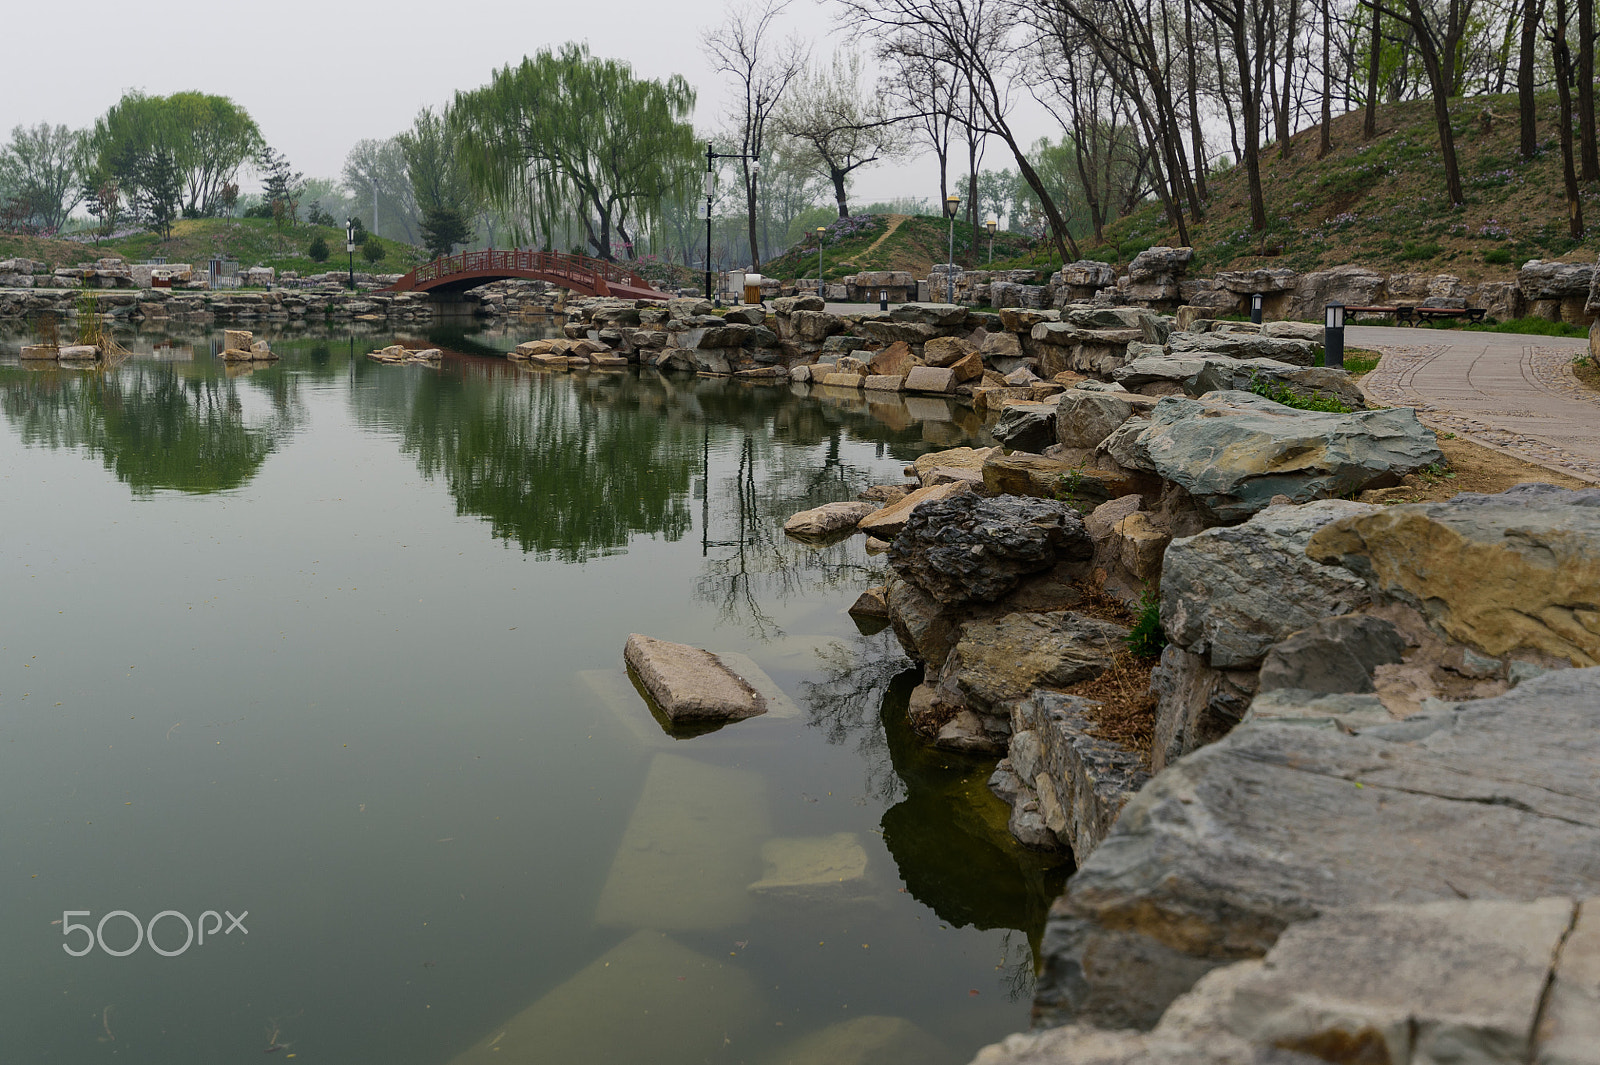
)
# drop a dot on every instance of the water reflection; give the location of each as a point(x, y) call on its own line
point(157, 425)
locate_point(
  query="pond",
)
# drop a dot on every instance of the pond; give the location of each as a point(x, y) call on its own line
point(322, 660)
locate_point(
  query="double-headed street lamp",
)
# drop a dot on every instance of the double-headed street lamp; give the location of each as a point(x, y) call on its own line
point(952, 204)
point(711, 192)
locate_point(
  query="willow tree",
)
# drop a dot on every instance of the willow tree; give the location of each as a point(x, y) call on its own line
point(564, 132)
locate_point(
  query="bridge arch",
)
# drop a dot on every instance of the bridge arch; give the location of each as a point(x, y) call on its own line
point(453, 274)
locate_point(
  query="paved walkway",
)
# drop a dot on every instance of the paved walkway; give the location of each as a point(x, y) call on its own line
point(1510, 392)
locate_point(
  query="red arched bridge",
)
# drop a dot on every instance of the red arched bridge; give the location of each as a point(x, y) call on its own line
point(454, 274)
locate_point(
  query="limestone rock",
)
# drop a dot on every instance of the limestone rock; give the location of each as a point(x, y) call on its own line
point(971, 458)
point(883, 383)
point(968, 548)
point(1195, 703)
point(1027, 426)
point(945, 351)
point(999, 660)
point(887, 522)
point(1043, 477)
point(1233, 451)
point(896, 359)
point(925, 628)
point(1091, 778)
point(935, 314)
point(1159, 262)
point(828, 519)
point(1338, 654)
point(935, 379)
point(872, 603)
point(967, 368)
point(1231, 593)
point(1517, 571)
point(1540, 280)
point(1200, 869)
point(1263, 280)
point(688, 684)
point(1245, 346)
point(1084, 418)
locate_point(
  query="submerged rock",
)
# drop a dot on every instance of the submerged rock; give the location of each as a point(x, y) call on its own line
point(820, 868)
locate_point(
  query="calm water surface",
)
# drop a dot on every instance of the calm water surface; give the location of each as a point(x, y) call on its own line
point(339, 644)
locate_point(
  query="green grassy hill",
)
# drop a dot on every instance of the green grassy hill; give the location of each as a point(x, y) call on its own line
point(895, 242)
point(251, 241)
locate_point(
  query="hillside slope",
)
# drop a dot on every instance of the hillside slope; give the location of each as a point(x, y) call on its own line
point(1383, 204)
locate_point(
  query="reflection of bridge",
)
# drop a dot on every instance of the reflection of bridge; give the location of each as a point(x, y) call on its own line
point(454, 274)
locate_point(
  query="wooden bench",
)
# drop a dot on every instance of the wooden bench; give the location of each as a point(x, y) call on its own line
point(1402, 315)
point(1472, 314)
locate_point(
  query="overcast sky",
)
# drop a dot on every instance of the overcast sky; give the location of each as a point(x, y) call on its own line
point(317, 77)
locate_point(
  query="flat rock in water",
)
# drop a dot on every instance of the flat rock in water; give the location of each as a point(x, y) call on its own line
point(829, 519)
point(1278, 823)
point(647, 999)
point(690, 685)
point(816, 867)
point(689, 850)
point(887, 522)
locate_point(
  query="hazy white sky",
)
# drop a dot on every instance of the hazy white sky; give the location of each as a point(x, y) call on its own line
point(318, 77)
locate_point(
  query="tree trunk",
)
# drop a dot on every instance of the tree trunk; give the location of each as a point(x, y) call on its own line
point(1531, 10)
point(1369, 125)
point(1196, 137)
point(1440, 78)
point(839, 195)
point(1250, 97)
point(1563, 64)
point(1288, 73)
point(1325, 145)
point(750, 213)
point(1586, 130)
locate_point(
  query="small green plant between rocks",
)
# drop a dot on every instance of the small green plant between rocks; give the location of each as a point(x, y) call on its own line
point(1280, 393)
point(1147, 639)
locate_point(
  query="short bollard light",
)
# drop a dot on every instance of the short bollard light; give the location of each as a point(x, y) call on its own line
point(1333, 336)
point(1255, 307)
point(883, 299)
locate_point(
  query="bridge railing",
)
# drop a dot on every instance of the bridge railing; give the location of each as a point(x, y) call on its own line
point(577, 267)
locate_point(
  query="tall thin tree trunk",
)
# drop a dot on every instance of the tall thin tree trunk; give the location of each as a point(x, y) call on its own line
point(1528, 111)
point(1284, 112)
point(1325, 145)
point(1563, 64)
point(1369, 124)
point(1586, 129)
point(1196, 137)
point(750, 213)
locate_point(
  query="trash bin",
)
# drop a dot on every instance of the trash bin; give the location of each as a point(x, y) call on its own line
point(752, 288)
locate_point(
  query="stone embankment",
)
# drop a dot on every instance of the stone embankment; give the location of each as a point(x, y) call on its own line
point(1366, 721)
point(1158, 278)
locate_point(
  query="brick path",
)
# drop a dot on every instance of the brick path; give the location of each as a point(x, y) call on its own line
point(1516, 394)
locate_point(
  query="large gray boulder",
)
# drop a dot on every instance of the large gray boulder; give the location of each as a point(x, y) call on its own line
point(1540, 280)
point(967, 548)
point(1084, 418)
point(1242, 345)
point(1262, 279)
point(1000, 660)
point(939, 314)
point(1158, 263)
point(1199, 374)
point(1234, 451)
point(1230, 593)
point(1335, 655)
point(1027, 426)
point(1279, 823)
point(1354, 286)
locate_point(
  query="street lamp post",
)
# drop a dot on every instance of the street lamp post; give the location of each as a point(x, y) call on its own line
point(989, 224)
point(350, 248)
point(822, 290)
point(952, 204)
point(711, 192)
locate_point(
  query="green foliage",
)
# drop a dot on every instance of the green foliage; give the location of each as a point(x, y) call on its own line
point(282, 187)
point(42, 172)
point(1147, 639)
point(173, 154)
point(1497, 256)
point(565, 130)
point(1357, 365)
point(1532, 326)
point(316, 216)
point(1280, 393)
point(372, 249)
point(318, 251)
point(1420, 252)
point(443, 228)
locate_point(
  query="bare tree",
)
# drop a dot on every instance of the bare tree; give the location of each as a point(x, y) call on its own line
point(743, 47)
point(1439, 45)
point(1532, 11)
point(1561, 55)
point(837, 130)
point(926, 91)
point(974, 39)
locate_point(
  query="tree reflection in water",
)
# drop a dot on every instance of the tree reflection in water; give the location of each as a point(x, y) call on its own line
point(157, 425)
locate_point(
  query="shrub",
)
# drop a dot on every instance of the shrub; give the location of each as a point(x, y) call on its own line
point(318, 251)
point(372, 249)
point(1497, 256)
point(1419, 252)
point(1147, 639)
